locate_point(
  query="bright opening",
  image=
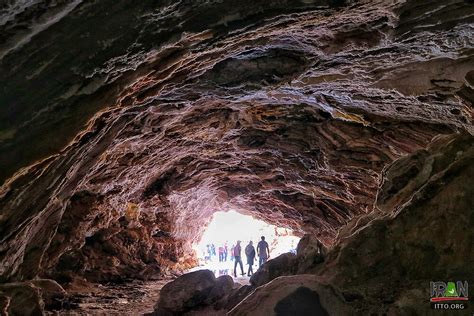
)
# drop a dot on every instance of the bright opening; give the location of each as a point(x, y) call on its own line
point(214, 250)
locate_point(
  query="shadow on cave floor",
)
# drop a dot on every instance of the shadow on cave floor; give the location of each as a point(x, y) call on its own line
point(130, 298)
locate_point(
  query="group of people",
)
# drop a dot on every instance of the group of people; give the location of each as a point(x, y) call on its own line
point(235, 253)
point(262, 252)
point(222, 252)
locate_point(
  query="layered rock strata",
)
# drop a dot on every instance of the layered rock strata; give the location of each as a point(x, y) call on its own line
point(125, 126)
point(382, 263)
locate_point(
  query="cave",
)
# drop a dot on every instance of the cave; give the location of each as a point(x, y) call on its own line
point(127, 126)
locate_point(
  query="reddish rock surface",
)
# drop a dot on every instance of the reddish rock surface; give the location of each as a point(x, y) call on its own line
point(124, 126)
point(383, 262)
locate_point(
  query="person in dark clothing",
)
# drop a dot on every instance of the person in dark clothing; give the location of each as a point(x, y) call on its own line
point(263, 251)
point(209, 252)
point(221, 254)
point(225, 251)
point(250, 253)
point(237, 258)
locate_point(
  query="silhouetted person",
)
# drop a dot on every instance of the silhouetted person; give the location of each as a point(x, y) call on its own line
point(263, 251)
point(225, 251)
point(232, 253)
point(238, 259)
point(221, 254)
point(209, 252)
point(250, 253)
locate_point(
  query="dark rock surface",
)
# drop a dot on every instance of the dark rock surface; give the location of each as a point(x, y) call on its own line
point(284, 264)
point(301, 294)
point(309, 253)
point(387, 264)
point(221, 290)
point(200, 293)
point(31, 297)
point(187, 292)
point(236, 297)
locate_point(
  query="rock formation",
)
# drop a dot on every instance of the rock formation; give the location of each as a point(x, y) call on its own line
point(384, 261)
point(125, 125)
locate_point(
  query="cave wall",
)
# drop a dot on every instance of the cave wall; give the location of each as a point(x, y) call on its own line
point(126, 125)
point(382, 263)
point(421, 232)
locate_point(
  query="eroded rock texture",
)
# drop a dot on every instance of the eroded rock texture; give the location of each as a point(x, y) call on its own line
point(382, 263)
point(426, 236)
point(286, 110)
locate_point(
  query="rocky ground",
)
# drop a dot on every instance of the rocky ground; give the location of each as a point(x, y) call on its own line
point(129, 298)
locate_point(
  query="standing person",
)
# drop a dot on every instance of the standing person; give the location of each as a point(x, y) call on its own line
point(263, 251)
point(225, 251)
point(250, 253)
point(232, 253)
point(209, 252)
point(213, 249)
point(238, 259)
point(221, 253)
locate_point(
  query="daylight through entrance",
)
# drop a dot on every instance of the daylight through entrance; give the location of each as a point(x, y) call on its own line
point(218, 248)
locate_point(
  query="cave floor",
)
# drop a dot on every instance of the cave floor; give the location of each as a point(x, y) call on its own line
point(131, 298)
point(135, 297)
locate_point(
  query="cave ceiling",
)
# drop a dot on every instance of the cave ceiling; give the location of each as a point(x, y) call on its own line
point(286, 110)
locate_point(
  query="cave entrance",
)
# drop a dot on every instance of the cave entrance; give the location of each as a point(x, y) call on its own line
point(226, 228)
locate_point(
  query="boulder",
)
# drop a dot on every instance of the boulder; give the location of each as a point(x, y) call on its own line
point(308, 253)
point(237, 295)
point(206, 311)
point(222, 288)
point(21, 299)
point(51, 292)
point(186, 292)
point(284, 264)
point(293, 295)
